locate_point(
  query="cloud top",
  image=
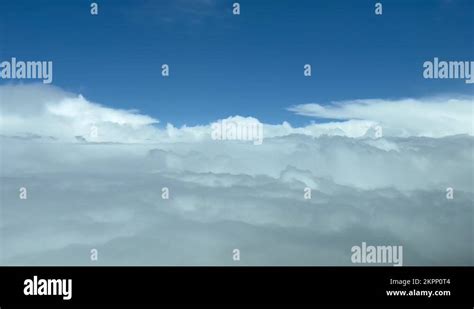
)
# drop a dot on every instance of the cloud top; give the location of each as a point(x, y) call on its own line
point(431, 117)
point(105, 192)
point(49, 111)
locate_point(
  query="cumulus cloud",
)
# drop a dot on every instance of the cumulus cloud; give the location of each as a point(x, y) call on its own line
point(51, 112)
point(107, 193)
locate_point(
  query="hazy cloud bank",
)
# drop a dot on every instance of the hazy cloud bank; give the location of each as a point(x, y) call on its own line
point(105, 192)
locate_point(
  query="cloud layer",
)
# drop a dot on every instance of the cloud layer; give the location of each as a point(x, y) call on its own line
point(431, 117)
point(105, 191)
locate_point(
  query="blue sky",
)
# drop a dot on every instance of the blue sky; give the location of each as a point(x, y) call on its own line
point(382, 174)
point(249, 65)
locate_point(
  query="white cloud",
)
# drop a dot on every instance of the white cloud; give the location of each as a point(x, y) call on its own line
point(50, 112)
point(431, 117)
point(80, 110)
point(223, 194)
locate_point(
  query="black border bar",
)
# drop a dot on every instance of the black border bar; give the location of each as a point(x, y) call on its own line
point(240, 285)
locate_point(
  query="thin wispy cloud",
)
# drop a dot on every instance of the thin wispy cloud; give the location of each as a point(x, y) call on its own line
point(433, 117)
